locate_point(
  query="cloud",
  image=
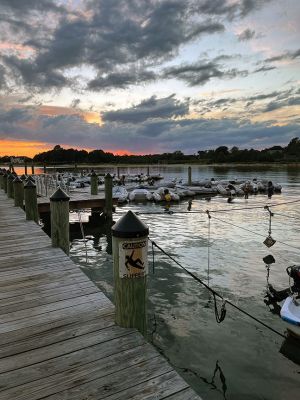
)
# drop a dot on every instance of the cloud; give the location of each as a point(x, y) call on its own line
point(200, 73)
point(247, 34)
point(230, 9)
point(148, 127)
point(289, 55)
point(152, 108)
point(121, 79)
point(264, 68)
point(117, 35)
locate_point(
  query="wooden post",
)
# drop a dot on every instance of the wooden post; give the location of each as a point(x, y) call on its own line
point(148, 171)
point(59, 207)
point(118, 172)
point(10, 187)
point(18, 192)
point(1, 179)
point(5, 175)
point(130, 263)
point(32, 169)
point(31, 208)
point(189, 176)
point(45, 169)
point(94, 183)
point(108, 182)
point(25, 168)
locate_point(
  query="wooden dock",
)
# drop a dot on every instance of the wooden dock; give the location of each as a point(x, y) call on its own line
point(78, 201)
point(58, 339)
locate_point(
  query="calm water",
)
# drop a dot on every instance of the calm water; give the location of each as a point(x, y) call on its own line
point(237, 359)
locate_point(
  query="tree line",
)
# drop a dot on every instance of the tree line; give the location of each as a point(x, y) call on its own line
point(222, 154)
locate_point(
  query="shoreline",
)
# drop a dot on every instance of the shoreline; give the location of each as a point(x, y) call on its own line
point(145, 165)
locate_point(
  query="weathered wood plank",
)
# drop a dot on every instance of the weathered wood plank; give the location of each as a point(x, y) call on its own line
point(58, 338)
point(63, 362)
point(60, 331)
point(119, 370)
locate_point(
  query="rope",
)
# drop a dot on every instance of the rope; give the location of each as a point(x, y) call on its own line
point(254, 233)
point(215, 293)
point(171, 212)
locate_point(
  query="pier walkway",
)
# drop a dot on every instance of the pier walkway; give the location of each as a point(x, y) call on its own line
point(78, 200)
point(58, 339)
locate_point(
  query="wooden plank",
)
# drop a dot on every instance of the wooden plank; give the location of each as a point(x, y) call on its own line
point(160, 387)
point(115, 372)
point(58, 338)
point(65, 347)
point(59, 330)
point(17, 304)
point(187, 394)
point(63, 362)
point(43, 321)
point(46, 308)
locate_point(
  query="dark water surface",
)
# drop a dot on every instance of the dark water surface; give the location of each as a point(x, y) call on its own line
point(237, 359)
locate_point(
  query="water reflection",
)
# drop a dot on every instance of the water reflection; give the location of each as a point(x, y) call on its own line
point(181, 319)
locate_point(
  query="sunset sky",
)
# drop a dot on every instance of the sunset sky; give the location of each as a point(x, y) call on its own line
point(148, 76)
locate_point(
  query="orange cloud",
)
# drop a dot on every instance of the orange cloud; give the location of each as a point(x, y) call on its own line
point(22, 51)
point(89, 116)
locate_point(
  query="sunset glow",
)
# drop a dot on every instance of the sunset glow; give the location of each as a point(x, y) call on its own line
point(155, 78)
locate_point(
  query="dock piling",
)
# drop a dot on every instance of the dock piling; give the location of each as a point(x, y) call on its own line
point(18, 192)
point(94, 183)
point(32, 169)
point(189, 176)
point(10, 187)
point(25, 169)
point(5, 176)
point(1, 179)
point(30, 197)
point(59, 206)
point(108, 182)
point(130, 264)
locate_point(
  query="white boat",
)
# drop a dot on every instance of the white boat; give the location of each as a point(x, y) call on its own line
point(226, 190)
point(164, 194)
point(140, 195)
point(120, 193)
point(184, 191)
point(290, 312)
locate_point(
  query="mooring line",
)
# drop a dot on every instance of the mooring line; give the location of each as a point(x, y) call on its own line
point(215, 293)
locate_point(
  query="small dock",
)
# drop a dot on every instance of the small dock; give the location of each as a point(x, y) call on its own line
point(58, 338)
point(78, 201)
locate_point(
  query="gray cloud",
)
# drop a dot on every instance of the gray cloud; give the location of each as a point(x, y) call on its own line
point(152, 108)
point(264, 68)
point(247, 34)
point(147, 127)
point(238, 9)
point(200, 73)
point(289, 55)
point(122, 79)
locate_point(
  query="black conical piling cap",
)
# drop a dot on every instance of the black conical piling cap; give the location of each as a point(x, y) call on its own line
point(108, 175)
point(11, 177)
point(29, 184)
point(30, 178)
point(59, 195)
point(130, 226)
point(23, 177)
point(93, 173)
point(17, 180)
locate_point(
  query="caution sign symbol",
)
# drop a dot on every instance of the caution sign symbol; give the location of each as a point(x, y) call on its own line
point(131, 262)
point(133, 259)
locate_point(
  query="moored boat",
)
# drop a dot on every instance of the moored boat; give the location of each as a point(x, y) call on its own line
point(140, 195)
